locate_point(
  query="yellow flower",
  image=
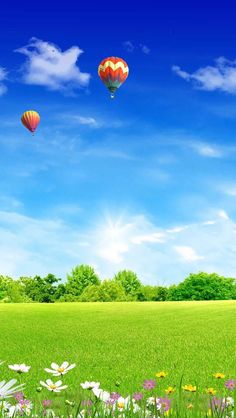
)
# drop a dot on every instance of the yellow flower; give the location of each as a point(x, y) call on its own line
point(161, 374)
point(211, 391)
point(219, 375)
point(169, 390)
point(190, 388)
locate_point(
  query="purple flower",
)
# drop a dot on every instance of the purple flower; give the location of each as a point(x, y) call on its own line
point(46, 402)
point(138, 396)
point(165, 404)
point(217, 404)
point(115, 396)
point(230, 384)
point(18, 396)
point(24, 402)
point(87, 402)
point(149, 384)
point(110, 402)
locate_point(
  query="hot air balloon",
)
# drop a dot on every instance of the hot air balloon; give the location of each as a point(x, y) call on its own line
point(30, 120)
point(113, 71)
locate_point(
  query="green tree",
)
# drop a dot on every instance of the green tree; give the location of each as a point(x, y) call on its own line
point(107, 291)
point(152, 293)
point(12, 291)
point(146, 293)
point(203, 286)
point(41, 289)
point(90, 294)
point(81, 277)
point(129, 281)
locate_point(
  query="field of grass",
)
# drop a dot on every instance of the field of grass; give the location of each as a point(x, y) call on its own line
point(121, 342)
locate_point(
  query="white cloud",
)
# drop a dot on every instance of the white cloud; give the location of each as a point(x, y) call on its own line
point(221, 76)
point(48, 66)
point(227, 188)
point(209, 222)
point(188, 253)
point(83, 120)
point(176, 229)
point(3, 77)
point(30, 246)
point(151, 238)
point(222, 214)
point(206, 150)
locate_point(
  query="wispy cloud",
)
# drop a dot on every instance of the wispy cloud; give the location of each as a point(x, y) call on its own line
point(187, 253)
point(221, 76)
point(3, 77)
point(46, 65)
point(92, 120)
point(31, 246)
point(129, 46)
point(87, 120)
point(206, 150)
point(145, 49)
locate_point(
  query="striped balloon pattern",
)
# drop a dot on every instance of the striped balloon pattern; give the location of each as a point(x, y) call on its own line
point(113, 71)
point(30, 120)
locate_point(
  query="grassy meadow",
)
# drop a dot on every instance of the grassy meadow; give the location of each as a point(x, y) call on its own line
point(121, 342)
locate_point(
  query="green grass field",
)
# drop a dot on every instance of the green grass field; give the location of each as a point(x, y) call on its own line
point(125, 342)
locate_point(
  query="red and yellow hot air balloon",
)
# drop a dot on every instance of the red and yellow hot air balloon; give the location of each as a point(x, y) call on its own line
point(30, 120)
point(113, 71)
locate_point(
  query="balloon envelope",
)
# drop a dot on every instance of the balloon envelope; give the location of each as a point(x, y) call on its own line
point(113, 71)
point(30, 120)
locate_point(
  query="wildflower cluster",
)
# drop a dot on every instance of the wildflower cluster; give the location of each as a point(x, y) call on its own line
point(152, 401)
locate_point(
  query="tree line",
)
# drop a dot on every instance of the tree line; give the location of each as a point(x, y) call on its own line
point(84, 285)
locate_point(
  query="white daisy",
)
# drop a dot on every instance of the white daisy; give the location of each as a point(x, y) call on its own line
point(7, 389)
point(122, 403)
point(22, 408)
point(57, 370)
point(4, 406)
point(53, 387)
point(90, 385)
point(19, 368)
point(101, 394)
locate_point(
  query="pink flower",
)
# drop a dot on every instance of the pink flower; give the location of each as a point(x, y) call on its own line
point(165, 404)
point(217, 404)
point(230, 384)
point(115, 396)
point(46, 402)
point(19, 396)
point(138, 396)
point(149, 384)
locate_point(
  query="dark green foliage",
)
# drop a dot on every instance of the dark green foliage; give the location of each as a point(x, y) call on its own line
point(40, 289)
point(152, 293)
point(84, 285)
point(203, 286)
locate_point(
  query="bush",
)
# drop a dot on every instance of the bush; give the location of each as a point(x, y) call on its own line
point(108, 291)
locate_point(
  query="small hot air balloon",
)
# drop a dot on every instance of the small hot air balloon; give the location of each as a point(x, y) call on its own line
point(113, 71)
point(30, 120)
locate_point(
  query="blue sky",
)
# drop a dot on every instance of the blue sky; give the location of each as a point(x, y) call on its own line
point(146, 181)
